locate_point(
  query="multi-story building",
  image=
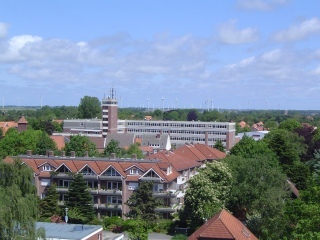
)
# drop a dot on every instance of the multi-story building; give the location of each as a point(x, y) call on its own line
point(180, 132)
point(111, 181)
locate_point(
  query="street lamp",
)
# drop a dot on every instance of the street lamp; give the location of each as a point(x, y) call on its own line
point(66, 217)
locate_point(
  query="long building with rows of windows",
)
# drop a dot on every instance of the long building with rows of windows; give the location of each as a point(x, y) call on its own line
point(180, 132)
point(111, 181)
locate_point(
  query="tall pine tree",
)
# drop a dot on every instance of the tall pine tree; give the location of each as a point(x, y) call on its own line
point(142, 204)
point(49, 205)
point(79, 201)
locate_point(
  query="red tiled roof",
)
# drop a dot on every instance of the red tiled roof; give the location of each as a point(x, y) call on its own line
point(59, 140)
point(221, 226)
point(6, 125)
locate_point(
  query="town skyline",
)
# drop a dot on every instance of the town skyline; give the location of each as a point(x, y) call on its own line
point(238, 54)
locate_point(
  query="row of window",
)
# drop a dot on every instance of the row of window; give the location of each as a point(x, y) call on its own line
point(176, 124)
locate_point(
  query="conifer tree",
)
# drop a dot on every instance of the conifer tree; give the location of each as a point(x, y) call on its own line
point(18, 202)
point(49, 205)
point(142, 204)
point(79, 201)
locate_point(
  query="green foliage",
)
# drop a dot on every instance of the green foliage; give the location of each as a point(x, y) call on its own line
point(18, 202)
point(81, 144)
point(15, 143)
point(248, 147)
point(258, 193)
point(193, 115)
point(289, 124)
point(79, 201)
point(142, 204)
point(218, 145)
point(134, 149)
point(137, 229)
point(207, 193)
point(286, 145)
point(49, 205)
point(115, 221)
point(112, 147)
point(179, 237)
point(89, 108)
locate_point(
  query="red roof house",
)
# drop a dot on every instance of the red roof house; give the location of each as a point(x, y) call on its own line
point(222, 226)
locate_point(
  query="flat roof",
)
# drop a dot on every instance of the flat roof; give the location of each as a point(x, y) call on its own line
point(68, 231)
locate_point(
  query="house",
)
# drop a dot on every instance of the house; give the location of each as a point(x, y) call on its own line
point(111, 181)
point(222, 226)
point(71, 231)
point(6, 125)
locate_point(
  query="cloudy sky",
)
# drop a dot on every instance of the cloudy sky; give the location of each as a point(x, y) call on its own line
point(257, 54)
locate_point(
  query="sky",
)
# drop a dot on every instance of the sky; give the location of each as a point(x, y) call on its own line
point(234, 54)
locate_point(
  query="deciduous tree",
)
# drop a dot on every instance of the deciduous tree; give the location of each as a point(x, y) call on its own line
point(81, 144)
point(18, 202)
point(89, 107)
point(207, 193)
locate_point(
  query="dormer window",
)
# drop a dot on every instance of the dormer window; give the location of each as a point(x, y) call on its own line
point(47, 167)
point(134, 171)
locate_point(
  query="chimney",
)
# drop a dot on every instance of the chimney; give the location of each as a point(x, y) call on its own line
point(86, 154)
point(113, 156)
point(63, 154)
point(50, 153)
point(29, 153)
point(73, 154)
point(134, 156)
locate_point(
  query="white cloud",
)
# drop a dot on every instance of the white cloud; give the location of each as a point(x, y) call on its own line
point(299, 31)
point(229, 34)
point(316, 71)
point(3, 30)
point(263, 5)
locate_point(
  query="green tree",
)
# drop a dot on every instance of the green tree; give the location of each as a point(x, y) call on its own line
point(79, 201)
point(289, 124)
point(81, 144)
point(286, 145)
point(18, 202)
point(142, 204)
point(134, 149)
point(137, 229)
point(89, 107)
point(218, 145)
point(248, 147)
point(15, 143)
point(49, 205)
point(258, 194)
point(207, 193)
point(112, 147)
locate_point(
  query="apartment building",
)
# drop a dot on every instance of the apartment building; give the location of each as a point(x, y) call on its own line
point(111, 181)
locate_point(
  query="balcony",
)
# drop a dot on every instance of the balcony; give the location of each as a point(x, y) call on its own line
point(90, 177)
point(117, 207)
point(115, 192)
point(61, 189)
point(166, 209)
point(62, 175)
point(166, 194)
point(110, 178)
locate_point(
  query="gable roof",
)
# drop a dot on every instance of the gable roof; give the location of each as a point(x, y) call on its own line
point(221, 226)
point(124, 139)
point(22, 120)
point(6, 125)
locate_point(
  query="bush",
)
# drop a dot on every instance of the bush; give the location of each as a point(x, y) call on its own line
point(179, 237)
point(163, 226)
point(114, 224)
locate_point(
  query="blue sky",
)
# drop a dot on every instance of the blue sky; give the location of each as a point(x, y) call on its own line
point(238, 54)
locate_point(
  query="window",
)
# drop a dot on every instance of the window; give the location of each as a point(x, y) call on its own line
point(114, 200)
point(45, 182)
point(87, 171)
point(46, 167)
point(158, 187)
point(134, 171)
point(111, 172)
point(92, 184)
point(151, 174)
point(64, 183)
point(133, 185)
point(114, 185)
point(63, 169)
